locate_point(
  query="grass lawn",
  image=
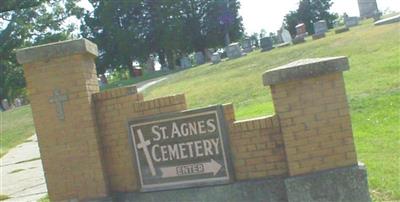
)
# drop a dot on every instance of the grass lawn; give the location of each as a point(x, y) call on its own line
point(16, 126)
point(372, 84)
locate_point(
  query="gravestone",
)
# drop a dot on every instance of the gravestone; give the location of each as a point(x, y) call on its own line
point(208, 54)
point(171, 153)
point(320, 28)
point(199, 58)
point(301, 33)
point(266, 44)
point(215, 58)
point(368, 9)
point(286, 37)
point(233, 51)
point(351, 21)
point(18, 102)
point(150, 64)
point(185, 62)
point(246, 45)
point(5, 104)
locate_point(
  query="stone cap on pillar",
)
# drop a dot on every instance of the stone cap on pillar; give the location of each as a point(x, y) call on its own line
point(55, 50)
point(305, 68)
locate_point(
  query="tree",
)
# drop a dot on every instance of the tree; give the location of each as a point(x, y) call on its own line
point(27, 23)
point(131, 30)
point(308, 12)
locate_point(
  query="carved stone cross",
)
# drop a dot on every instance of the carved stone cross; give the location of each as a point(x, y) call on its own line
point(59, 100)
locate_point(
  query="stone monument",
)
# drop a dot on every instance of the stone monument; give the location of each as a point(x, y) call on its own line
point(185, 62)
point(233, 51)
point(5, 104)
point(150, 64)
point(350, 21)
point(266, 44)
point(199, 58)
point(320, 28)
point(246, 45)
point(215, 58)
point(301, 33)
point(368, 9)
point(285, 35)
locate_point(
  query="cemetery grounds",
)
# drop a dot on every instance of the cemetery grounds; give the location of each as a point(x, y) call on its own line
point(372, 85)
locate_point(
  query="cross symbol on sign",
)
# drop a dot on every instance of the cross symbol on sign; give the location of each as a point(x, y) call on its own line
point(143, 145)
point(59, 100)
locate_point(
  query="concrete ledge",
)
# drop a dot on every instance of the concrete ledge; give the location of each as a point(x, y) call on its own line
point(269, 189)
point(305, 68)
point(55, 50)
point(390, 20)
point(341, 185)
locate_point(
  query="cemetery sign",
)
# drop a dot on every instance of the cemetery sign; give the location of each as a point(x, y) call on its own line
point(183, 149)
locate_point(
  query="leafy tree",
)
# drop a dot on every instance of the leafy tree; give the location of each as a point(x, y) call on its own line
point(308, 12)
point(131, 30)
point(27, 23)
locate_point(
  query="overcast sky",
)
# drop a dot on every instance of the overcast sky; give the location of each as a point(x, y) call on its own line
point(268, 14)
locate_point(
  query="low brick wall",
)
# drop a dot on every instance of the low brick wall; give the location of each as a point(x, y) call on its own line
point(257, 148)
point(114, 107)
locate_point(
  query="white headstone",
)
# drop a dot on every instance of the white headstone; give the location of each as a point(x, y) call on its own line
point(5, 104)
point(286, 37)
point(215, 58)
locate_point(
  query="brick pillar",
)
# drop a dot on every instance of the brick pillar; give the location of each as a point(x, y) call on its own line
point(61, 78)
point(310, 100)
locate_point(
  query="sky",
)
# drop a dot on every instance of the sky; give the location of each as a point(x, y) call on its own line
point(269, 14)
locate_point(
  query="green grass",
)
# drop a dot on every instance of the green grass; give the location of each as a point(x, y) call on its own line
point(372, 85)
point(44, 199)
point(3, 197)
point(16, 126)
point(146, 76)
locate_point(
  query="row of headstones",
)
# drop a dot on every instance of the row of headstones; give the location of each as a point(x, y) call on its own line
point(5, 105)
point(234, 50)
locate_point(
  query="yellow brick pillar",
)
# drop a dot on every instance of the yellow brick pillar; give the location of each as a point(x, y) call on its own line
point(310, 100)
point(61, 78)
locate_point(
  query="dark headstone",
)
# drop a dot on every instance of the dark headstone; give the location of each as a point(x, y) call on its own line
point(199, 58)
point(185, 62)
point(246, 45)
point(266, 44)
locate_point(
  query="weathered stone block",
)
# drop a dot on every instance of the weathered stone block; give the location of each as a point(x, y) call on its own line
point(340, 185)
